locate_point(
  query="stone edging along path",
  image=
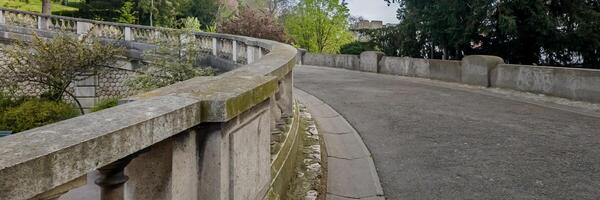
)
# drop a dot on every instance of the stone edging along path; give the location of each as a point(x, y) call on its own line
point(351, 170)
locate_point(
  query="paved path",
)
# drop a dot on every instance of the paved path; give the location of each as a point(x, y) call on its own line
point(430, 141)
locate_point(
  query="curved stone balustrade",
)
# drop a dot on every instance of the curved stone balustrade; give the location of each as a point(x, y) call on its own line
point(205, 138)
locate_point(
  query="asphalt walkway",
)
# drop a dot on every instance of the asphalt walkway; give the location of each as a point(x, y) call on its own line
point(432, 141)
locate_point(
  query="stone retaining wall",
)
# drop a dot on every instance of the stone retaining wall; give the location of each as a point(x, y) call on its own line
point(480, 70)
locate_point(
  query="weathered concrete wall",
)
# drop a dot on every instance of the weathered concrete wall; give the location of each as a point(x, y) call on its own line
point(481, 70)
point(369, 61)
point(476, 69)
point(351, 62)
point(578, 84)
point(445, 70)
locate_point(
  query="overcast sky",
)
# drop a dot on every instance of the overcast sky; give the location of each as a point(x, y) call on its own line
point(373, 10)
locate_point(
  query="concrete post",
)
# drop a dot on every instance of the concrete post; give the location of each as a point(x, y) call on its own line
point(235, 156)
point(476, 69)
point(2, 19)
point(167, 171)
point(83, 28)
point(43, 23)
point(369, 61)
point(250, 50)
point(128, 34)
point(234, 51)
point(214, 46)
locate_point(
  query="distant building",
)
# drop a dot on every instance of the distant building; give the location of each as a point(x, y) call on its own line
point(365, 25)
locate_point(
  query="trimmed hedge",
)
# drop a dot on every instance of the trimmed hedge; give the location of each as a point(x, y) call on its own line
point(34, 113)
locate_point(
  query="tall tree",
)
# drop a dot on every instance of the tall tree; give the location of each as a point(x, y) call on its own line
point(319, 25)
point(46, 7)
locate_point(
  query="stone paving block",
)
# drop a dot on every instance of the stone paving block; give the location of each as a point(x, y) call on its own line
point(333, 125)
point(345, 146)
point(348, 178)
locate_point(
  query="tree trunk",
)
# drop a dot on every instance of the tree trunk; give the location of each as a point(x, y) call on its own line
point(46, 6)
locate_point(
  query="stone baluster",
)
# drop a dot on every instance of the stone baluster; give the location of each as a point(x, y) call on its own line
point(234, 51)
point(112, 179)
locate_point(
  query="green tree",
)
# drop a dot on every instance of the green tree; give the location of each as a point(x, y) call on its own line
point(319, 25)
point(163, 12)
point(57, 63)
point(126, 13)
point(206, 11)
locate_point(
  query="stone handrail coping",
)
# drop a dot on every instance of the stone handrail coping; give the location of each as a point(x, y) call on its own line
point(37, 160)
point(247, 40)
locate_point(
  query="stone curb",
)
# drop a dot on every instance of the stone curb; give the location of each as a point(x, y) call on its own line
point(351, 170)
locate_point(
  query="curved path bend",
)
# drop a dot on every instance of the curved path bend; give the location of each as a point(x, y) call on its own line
point(434, 141)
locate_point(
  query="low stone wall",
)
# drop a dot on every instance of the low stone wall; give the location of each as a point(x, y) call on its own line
point(571, 83)
point(479, 70)
point(351, 62)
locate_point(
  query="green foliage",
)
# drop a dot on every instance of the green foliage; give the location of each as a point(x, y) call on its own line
point(164, 12)
point(171, 62)
point(35, 113)
point(191, 24)
point(126, 13)
point(247, 21)
point(106, 103)
point(36, 5)
point(56, 63)
point(553, 32)
point(206, 11)
point(319, 25)
point(356, 47)
point(105, 10)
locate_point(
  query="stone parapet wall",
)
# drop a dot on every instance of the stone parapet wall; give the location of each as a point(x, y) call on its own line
point(480, 70)
point(204, 138)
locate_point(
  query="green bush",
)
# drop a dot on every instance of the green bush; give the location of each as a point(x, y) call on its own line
point(356, 47)
point(35, 113)
point(106, 103)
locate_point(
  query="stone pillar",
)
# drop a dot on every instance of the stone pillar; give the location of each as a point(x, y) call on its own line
point(214, 46)
point(83, 28)
point(43, 23)
point(260, 52)
point(369, 61)
point(2, 19)
point(235, 156)
point(285, 97)
point(234, 51)
point(476, 69)
point(167, 170)
point(112, 179)
point(128, 34)
point(250, 57)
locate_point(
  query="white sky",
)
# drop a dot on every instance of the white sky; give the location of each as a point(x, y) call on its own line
point(373, 10)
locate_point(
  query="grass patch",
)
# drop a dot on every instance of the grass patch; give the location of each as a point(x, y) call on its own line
point(36, 5)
